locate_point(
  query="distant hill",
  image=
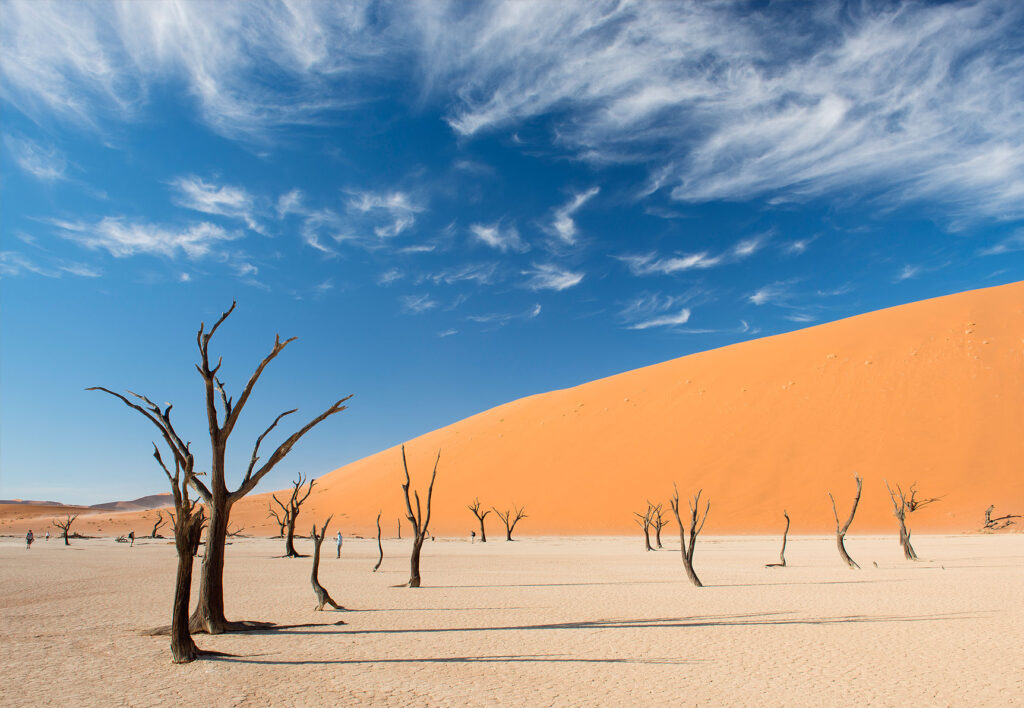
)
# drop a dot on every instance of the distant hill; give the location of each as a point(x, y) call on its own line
point(153, 501)
point(28, 501)
point(931, 392)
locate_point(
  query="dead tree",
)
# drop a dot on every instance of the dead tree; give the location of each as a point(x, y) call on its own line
point(160, 521)
point(841, 530)
point(782, 553)
point(189, 518)
point(1000, 522)
point(509, 520)
point(322, 596)
point(475, 508)
point(236, 532)
point(419, 521)
point(695, 529)
point(908, 504)
point(291, 513)
point(644, 522)
point(399, 529)
point(282, 521)
point(380, 547)
point(218, 499)
point(65, 526)
point(658, 522)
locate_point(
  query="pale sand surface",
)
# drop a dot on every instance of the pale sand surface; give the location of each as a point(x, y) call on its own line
point(543, 621)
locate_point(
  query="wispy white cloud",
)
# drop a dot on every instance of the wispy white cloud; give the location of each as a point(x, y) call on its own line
point(44, 163)
point(773, 293)
point(13, 263)
point(908, 272)
point(503, 318)
point(1013, 242)
point(291, 202)
point(122, 238)
point(392, 212)
point(546, 276)
point(499, 236)
point(921, 98)
point(389, 276)
point(418, 304)
point(651, 264)
point(111, 56)
point(656, 310)
point(479, 273)
point(447, 333)
point(223, 200)
point(563, 225)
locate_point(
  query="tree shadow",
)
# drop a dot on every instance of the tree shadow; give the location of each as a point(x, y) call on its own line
point(498, 659)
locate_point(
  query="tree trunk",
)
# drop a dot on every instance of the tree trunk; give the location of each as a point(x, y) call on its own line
point(322, 596)
point(380, 547)
point(289, 547)
point(647, 538)
point(690, 573)
point(782, 553)
point(414, 562)
point(842, 552)
point(657, 536)
point(908, 550)
point(65, 534)
point(209, 613)
point(183, 649)
point(483, 533)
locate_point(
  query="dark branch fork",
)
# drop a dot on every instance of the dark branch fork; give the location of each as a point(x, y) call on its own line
point(420, 523)
point(695, 529)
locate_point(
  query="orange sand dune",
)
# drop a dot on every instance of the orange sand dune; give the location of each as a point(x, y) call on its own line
point(931, 392)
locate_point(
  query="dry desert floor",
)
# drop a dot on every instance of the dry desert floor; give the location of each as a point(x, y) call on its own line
point(538, 622)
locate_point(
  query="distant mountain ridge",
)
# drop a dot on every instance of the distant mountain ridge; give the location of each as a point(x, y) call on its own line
point(153, 501)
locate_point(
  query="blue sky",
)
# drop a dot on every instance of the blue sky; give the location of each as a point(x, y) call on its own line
point(455, 205)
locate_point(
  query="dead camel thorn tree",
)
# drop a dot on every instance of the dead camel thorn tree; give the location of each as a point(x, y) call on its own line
point(908, 503)
point(509, 520)
point(475, 508)
point(380, 547)
point(644, 522)
point(322, 596)
point(65, 526)
point(782, 553)
point(160, 521)
point(291, 513)
point(994, 524)
point(282, 521)
point(841, 530)
point(188, 519)
point(419, 520)
point(695, 529)
point(658, 522)
point(218, 499)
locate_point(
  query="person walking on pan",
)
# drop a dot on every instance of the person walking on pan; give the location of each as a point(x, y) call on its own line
point(29, 538)
point(131, 537)
point(47, 534)
point(339, 544)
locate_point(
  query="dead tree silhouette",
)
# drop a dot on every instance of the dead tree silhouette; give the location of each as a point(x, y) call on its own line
point(695, 529)
point(908, 503)
point(282, 521)
point(188, 520)
point(782, 553)
point(994, 524)
point(644, 522)
point(419, 520)
point(380, 548)
point(841, 530)
point(475, 508)
point(511, 520)
point(65, 526)
point(658, 522)
point(160, 521)
point(322, 596)
point(291, 512)
point(218, 499)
